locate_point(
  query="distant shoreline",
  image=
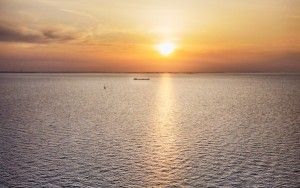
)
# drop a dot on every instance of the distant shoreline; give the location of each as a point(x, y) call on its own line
point(62, 72)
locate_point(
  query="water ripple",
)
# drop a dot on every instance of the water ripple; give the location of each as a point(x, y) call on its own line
point(202, 130)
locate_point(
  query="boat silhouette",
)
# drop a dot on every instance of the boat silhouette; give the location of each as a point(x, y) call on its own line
point(141, 78)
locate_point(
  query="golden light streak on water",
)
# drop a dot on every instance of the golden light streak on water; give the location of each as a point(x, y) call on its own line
point(164, 135)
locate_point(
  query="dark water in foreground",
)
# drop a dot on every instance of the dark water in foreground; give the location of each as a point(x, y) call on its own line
point(175, 130)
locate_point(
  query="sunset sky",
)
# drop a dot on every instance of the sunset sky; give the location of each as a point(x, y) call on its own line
point(125, 35)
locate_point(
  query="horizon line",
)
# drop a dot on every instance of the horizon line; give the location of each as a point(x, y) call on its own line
point(148, 72)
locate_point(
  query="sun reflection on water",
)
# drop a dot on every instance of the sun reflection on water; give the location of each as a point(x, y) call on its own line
point(164, 163)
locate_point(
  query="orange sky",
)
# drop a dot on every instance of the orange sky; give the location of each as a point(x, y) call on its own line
point(122, 35)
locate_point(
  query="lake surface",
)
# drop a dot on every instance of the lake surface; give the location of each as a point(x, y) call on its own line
point(197, 130)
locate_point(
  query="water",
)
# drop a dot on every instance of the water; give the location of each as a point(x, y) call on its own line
point(198, 130)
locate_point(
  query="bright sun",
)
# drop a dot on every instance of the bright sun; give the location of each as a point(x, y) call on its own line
point(166, 48)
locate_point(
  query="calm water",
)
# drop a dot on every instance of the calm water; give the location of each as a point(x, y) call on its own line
point(194, 130)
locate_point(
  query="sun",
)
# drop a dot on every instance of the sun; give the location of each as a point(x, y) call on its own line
point(166, 48)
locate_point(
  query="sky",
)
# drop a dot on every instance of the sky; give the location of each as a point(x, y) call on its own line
point(123, 35)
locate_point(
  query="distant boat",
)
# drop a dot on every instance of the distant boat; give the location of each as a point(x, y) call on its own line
point(141, 78)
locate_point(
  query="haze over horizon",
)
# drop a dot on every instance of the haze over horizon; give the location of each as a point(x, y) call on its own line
point(123, 35)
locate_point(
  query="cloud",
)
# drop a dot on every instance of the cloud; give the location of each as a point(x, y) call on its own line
point(78, 13)
point(122, 38)
point(25, 35)
point(9, 34)
point(56, 35)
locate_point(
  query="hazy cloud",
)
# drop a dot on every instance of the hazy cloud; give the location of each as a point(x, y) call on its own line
point(18, 34)
point(79, 13)
point(122, 38)
point(56, 35)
